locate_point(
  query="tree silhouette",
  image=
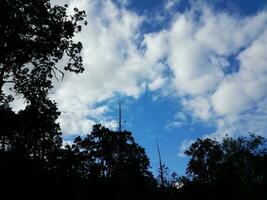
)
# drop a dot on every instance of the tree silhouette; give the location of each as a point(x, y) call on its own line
point(206, 156)
point(35, 36)
point(114, 160)
point(233, 168)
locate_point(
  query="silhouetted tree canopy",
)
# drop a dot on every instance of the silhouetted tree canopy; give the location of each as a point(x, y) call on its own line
point(233, 168)
point(114, 158)
point(35, 36)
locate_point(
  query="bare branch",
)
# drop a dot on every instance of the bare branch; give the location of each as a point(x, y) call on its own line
point(62, 73)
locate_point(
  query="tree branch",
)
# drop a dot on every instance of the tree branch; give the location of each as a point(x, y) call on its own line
point(62, 73)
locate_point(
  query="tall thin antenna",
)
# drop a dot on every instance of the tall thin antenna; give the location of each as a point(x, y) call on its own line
point(119, 116)
point(161, 175)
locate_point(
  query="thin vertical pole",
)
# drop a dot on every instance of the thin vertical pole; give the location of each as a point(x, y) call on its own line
point(119, 116)
point(160, 165)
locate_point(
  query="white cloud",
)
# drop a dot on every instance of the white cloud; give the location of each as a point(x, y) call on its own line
point(193, 72)
point(230, 98)
point(241, 91)
point(200, 46)
point(197, 48)
point(200, 106)
point(113, 64)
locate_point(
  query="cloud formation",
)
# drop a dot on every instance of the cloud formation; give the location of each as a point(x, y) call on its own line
point(202, 53)
point(216, 63)
point(117, 61)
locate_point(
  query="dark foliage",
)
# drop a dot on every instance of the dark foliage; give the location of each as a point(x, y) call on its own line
point(232, 169)
point(34, 38)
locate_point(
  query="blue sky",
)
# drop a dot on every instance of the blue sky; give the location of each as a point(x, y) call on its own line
point(182, 69)
point(148, 118)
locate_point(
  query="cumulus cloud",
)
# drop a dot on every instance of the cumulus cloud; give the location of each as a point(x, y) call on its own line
point(116, 61)
point(202, 45)
point(198, 48)
point(216, 63)
point(203, 52)
point(200, 106)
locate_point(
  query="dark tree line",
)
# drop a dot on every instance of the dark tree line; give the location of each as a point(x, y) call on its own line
point(104, 164)
point(230, 169)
